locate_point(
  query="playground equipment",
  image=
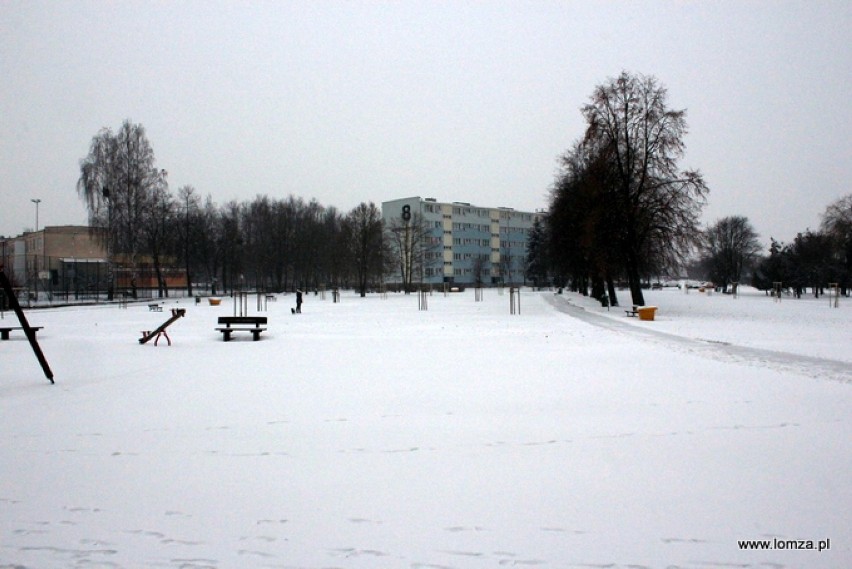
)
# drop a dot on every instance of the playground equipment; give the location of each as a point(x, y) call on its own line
point(263, 300)
point(834, 294)
point(514, 306)
point(240, 303)
point(25, 325)
point(161, 331)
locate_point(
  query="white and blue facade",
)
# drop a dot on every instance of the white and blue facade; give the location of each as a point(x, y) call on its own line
point(463, 243)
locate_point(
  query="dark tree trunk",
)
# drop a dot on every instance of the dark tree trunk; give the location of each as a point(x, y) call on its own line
point(610, 285)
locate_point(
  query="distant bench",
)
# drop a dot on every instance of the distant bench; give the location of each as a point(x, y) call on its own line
point(155, 308)
point(253, 324)
point(633, 312)
point(4, 332)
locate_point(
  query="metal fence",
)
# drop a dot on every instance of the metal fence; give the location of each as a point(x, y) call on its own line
point(61, 280)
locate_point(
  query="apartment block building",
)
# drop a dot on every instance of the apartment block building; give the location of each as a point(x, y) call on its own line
point(461, 243)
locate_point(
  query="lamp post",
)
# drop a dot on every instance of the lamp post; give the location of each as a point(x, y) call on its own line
point(186, 247)
point(36, 201)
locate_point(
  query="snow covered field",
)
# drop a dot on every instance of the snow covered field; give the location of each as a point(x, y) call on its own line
point(370, 434)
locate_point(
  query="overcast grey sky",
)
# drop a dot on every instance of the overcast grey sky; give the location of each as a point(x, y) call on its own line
point(458, 100)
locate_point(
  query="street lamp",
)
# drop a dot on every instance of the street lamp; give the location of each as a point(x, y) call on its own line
point(36, 201)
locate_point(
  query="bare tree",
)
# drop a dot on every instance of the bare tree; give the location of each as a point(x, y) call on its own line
point(630, 124)
point(837, 224)
point(481, 269)
point(188, 222)
point(585, 230)
point(411, 248)
point(729, 246)
point(118, 181)
point(364, 228)
point(208, 237)
point(158, 229)
point(230, 246)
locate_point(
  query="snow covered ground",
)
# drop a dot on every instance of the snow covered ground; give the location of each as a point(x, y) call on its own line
point(368, 433)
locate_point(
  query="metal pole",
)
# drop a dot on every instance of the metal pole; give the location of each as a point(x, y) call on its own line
point(36, 201)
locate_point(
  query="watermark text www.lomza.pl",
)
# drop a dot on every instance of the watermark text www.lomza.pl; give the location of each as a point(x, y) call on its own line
point(776, 544)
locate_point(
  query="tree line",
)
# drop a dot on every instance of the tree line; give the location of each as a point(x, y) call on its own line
point(622, 212)
point(265, 243)
point(729, 252)
point(814, 259)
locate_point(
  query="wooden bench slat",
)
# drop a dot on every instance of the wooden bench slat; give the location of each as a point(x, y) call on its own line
point(245, 320)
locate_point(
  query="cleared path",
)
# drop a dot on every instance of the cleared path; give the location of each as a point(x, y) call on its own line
point(821, 368)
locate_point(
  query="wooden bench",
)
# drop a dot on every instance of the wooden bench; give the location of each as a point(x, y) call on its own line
point(4, 332)
point(633, 312)
point(155, 308)
point(253, 324)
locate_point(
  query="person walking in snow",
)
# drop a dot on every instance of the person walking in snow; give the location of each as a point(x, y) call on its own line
point(298, 301)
